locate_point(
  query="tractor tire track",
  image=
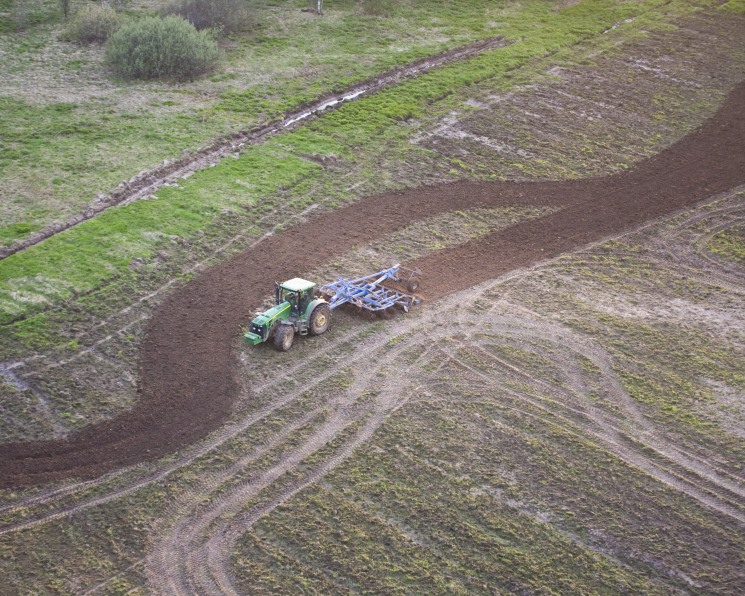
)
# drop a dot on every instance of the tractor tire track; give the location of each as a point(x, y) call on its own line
point(633, 427)
point(634, 424)
point(693, 479)
point(146, 183)
point(213, 566)
point(192, 558)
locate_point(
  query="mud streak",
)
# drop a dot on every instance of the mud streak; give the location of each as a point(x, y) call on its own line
point(143, 185)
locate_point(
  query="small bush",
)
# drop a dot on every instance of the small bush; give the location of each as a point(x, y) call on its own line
point(93, 24)
point(156, 47)
point(225, 15)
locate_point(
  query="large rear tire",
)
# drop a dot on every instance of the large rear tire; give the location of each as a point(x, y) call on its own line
point(320, 319)
point(284, 337)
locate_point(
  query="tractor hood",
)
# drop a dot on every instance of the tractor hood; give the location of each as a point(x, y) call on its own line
point(271, 314)
point(262, 323)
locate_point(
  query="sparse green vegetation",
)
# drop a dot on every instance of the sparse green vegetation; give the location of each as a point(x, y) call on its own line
point(22, 15)
point(734, 6)
point(378, 8)
point(730, 244)
point(225, 16)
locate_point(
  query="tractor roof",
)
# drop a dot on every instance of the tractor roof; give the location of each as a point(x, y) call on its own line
point(297, 284)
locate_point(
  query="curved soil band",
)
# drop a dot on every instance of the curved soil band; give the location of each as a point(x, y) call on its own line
point(188, 366)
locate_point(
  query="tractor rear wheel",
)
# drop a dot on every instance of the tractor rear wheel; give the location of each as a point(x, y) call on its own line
point(283, 338)
point(320, 319)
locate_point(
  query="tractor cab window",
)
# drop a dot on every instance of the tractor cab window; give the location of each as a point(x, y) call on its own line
point(291, 297)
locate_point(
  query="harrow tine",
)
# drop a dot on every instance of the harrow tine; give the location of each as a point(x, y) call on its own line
point(368, 292)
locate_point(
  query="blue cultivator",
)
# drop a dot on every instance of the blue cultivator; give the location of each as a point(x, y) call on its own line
point(369, 292)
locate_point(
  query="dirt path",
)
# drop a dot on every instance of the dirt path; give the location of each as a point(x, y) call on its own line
point(188, 362)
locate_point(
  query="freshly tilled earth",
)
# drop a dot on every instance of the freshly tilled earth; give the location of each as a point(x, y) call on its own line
point(188, 378)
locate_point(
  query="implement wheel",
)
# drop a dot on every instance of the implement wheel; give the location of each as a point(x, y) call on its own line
point(320, 319)
point(413, 285)
point(283, 338)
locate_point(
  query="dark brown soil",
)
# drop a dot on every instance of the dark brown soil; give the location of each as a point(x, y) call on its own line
point(188, 367)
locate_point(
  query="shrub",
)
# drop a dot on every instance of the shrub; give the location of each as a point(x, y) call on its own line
point(224, 15)
point(155, 47)
point(93, 24)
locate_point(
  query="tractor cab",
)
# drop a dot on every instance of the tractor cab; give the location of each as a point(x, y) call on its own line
point(298, 292)
point(296, 307)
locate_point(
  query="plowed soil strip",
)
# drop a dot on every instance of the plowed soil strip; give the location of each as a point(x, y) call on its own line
point(188, 367)
point(143, 185)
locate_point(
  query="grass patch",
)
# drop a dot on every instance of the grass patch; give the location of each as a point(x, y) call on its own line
point(95, 251)
point(16, 231)
point(730, 244)
point(289, 58)
point(737, 6)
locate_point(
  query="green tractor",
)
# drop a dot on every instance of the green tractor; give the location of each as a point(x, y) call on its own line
point(297, 310)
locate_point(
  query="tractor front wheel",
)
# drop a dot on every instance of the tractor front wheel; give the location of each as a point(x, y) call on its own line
point(320, 319)
point(283, 338)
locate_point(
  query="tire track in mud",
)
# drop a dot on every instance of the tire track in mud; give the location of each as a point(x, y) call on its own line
point(146, 183)
point(693, 250)
point(188, 380)
point(683, 471)
point(194, 556)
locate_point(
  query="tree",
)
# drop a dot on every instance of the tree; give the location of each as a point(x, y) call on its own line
point(316, 6)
